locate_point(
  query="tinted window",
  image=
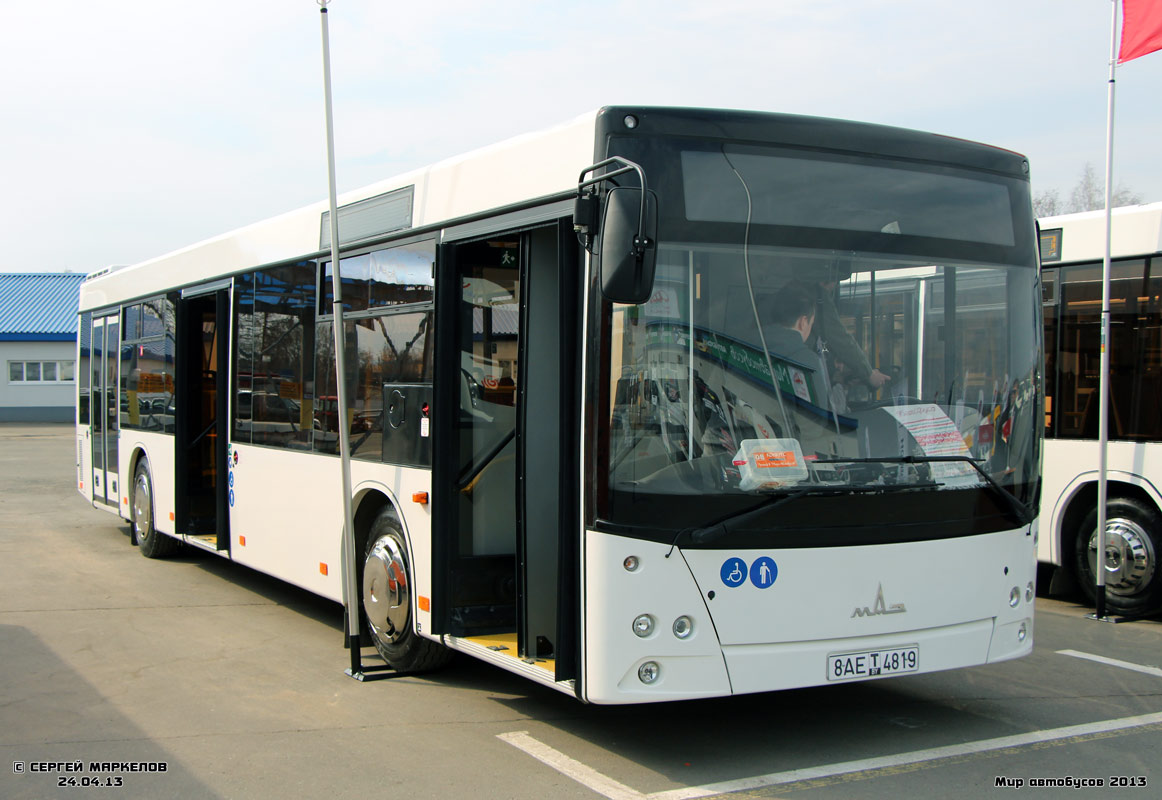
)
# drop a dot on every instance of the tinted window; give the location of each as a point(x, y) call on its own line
point(245, 332)
point(147, 367)
point(872, 195)
point(131, 328)
point(1135, 352)
point(392, 348)
point(130, 416)
point(84, 334)
point(278, 334)
point(152, 318)
point(389, 277)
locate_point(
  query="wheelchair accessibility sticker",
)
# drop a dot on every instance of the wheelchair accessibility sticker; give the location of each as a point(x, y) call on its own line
point(733, 572)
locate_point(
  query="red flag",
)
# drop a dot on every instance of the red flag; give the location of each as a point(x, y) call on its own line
point(1141, 28)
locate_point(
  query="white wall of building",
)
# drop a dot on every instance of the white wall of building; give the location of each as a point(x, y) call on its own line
point(36, 401)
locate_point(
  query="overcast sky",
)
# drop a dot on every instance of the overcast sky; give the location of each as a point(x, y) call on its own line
point(134, 128)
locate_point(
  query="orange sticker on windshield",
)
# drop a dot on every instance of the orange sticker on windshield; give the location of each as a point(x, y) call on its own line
point(785, 458)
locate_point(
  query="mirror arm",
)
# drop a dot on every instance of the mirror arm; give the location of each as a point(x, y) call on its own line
point(640, 242)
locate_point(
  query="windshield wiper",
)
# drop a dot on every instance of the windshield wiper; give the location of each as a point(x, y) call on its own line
point(1023, 514)
point(721, 527)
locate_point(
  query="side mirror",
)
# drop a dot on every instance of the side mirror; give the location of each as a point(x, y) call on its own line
point(627, 260)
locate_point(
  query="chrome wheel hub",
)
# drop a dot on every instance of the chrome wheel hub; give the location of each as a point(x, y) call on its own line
point(386, 598)
point(142, 507)
point(1129, 557)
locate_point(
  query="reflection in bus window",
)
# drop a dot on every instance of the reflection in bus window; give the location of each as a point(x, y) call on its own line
point(691, 380)
point(1072, 336)
point(392, 276)
point(389, 348)
point(275, 329)
point(147, 367)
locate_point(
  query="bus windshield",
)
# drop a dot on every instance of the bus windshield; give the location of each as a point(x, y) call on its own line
point(761, 366)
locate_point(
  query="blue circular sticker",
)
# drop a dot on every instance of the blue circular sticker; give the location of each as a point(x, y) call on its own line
point(763, 572)
point(232, 492)
point(733, 571)
point(231, 480)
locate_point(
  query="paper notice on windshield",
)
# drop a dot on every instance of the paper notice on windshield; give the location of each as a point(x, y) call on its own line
point(799, 381)
point(937, 435)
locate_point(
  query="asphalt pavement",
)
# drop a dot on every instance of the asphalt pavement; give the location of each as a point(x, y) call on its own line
point(194, 677)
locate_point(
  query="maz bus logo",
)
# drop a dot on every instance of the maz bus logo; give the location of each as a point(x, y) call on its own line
point(880, 607)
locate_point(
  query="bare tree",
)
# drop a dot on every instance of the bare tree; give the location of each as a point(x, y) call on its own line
point(1047, 203)
point(1088, 194)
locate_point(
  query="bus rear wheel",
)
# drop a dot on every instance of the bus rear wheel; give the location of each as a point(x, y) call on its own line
point(387, 601)
point(1133, 543)
point(145, 535)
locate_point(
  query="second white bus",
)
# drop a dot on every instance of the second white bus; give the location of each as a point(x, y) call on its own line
point(1072, 249)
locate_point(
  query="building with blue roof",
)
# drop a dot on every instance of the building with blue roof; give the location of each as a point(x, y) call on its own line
point(38, 346)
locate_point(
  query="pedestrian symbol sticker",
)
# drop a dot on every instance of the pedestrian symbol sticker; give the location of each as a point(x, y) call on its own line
point(763, 572)
point(733, 572)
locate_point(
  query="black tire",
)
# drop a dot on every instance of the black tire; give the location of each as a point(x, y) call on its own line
point(145, 535)
point(1133, 544)
point(386, 600)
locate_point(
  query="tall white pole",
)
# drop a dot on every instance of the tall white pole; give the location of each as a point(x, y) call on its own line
point(350, 584)
point(1103, 378)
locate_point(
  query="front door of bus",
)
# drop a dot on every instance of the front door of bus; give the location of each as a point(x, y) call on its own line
point(104, 407)
point(498, 535)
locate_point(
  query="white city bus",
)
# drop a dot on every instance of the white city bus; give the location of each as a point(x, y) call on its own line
point(1072, 249)
point(575, 455)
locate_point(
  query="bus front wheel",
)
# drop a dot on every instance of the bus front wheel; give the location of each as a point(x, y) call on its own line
point(387, 601)
point(151, 543)
point(1133, 582)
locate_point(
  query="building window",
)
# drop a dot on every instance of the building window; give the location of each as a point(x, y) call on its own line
point(41, 371)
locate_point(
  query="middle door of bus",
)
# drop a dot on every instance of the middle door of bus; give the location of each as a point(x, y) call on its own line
point(202, 424)
point(499, 532)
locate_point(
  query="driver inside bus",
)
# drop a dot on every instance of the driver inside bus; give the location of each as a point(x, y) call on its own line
point(791, 316)
point(829, 329)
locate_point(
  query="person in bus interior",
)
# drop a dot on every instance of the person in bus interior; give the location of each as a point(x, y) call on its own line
point(792, 313)
point(829, 334)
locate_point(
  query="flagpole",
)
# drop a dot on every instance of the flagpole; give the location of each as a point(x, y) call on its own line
point(350, 585)
point(1104, 368)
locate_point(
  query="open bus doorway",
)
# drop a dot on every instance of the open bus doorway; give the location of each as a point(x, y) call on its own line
point(502, 541)
point(202, 423)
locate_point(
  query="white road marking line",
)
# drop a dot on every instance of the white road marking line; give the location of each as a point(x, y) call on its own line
point(1113, 662)
point(586, 776)
point(915, 757)
point(610, 788)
